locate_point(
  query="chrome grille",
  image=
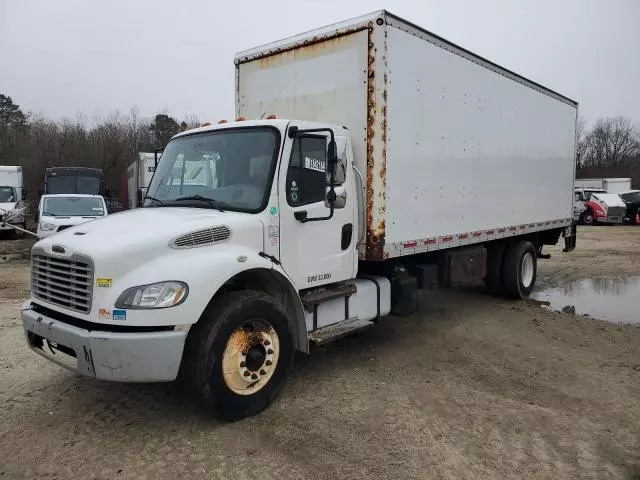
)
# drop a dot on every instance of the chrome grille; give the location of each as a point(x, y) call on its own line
point(64, 282)
point(616, 211)
point(198, 238)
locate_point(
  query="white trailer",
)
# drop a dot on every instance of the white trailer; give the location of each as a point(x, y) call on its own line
point(369, 159)
point(139, 174)
point(610, 185)
point(12, 199)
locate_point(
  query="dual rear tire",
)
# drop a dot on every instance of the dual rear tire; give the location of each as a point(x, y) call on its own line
point(511, 269)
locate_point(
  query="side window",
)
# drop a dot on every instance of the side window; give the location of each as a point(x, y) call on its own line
point(579, 197)
point(307, 171)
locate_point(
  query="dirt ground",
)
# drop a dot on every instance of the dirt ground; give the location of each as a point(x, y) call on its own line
point(471, 387)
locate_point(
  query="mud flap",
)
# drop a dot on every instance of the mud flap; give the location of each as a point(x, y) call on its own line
point(569, 234)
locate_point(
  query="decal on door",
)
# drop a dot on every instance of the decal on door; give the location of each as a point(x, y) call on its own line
point(293, 192)
point(318, 278)
point(119, 314)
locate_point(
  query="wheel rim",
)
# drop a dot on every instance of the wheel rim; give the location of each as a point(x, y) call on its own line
point(250, 357)
point(527, 270)
point(588, 218)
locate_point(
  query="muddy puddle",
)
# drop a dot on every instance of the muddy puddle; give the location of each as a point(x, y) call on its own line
point(615, 299)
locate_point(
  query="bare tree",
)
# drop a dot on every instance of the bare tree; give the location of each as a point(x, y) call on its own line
point(613, 142)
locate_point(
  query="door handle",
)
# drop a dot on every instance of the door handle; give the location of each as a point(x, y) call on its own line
point(301, 215)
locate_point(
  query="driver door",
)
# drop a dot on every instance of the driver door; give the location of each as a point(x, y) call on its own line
point(313, 253)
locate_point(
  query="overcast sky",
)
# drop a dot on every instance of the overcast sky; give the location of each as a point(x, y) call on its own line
point(64, 57)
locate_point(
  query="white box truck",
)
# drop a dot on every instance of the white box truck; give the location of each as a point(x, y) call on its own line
point(374, 158)
point(609, 185)
point(12, 199)
point(139, 174)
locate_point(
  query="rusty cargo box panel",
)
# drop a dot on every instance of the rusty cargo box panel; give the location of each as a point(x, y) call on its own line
point(430, 125)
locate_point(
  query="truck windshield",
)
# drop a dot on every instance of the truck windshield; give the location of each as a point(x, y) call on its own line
point(229, 169)
point(633, 197)
point(7, 195)
point(73, 207)
point(73, 184)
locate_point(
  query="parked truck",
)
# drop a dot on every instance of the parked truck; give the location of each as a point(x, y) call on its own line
point(609, 185)
point(74, 180)
point(369, 159)
point(139, 174)
point(12, 199)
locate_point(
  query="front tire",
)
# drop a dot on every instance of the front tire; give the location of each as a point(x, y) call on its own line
point(238, 355)
point(519, 270)
point(587, 218)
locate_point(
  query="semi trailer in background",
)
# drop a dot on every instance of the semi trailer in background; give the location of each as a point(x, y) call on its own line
point(138, 177)
point(368, 159)
point(609, 185)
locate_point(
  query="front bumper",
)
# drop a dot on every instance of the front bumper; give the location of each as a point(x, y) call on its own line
point(612, 220)
point(115, 356)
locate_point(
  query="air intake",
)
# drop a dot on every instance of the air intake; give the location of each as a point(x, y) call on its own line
point(200, 238)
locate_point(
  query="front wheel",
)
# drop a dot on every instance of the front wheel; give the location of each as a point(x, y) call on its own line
point(519, 270)
point(238, 355)
point(587, 218)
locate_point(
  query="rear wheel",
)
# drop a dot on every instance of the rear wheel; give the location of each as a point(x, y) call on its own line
point(519, 270)
point(238, 355)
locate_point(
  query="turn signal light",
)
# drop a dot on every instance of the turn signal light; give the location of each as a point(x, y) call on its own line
point(222, 121)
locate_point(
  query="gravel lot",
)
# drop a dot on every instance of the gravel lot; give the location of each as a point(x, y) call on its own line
point(471, 387)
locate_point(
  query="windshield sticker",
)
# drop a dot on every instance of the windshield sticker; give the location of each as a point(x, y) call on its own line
point(119, 314)
point(104, 314)
point(103, 282)
point(293, 192)
point(315, 164)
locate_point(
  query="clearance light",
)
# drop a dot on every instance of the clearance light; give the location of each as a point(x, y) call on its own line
point(240, 119)
point(271, 117)
point(222, 121)
point(206, 124)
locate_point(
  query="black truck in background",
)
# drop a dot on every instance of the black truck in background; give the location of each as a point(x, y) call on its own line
point(82, 180)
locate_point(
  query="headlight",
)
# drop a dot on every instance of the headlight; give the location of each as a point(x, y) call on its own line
point(156, 295)
point(47, 227)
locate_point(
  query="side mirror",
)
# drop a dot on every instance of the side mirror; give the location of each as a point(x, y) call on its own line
point(139, 197)
point(107, 192)
point(24, 195)
point(37, 216)
point(338, 197)
point(157, 153)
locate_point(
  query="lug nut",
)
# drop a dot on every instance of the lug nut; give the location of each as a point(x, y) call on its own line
point(270, 352)
point(254, 376)
point(246, 373)
point(267, 343)
point(268, 363)
point(242, 364)
point(262, 372)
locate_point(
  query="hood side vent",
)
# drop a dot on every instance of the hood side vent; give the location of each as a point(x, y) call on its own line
point(201, 238)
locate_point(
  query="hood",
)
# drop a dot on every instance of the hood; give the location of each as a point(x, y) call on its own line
point(609, 199)
point(142, 234)
point(7, 206)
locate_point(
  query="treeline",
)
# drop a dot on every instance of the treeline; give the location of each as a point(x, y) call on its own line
point(37, 143)
point(610, 148)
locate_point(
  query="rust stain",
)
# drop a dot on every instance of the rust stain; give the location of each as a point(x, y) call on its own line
point(375, 233)
point(305, 48)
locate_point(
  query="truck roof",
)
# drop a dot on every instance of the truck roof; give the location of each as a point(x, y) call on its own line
point(73, 170)
point(361, 23)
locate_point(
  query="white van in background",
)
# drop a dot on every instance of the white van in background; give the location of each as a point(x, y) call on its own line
point(12, 196)
point(59, 212)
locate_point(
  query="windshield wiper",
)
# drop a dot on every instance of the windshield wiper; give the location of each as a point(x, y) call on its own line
point(160, 202)
point(200, 198)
